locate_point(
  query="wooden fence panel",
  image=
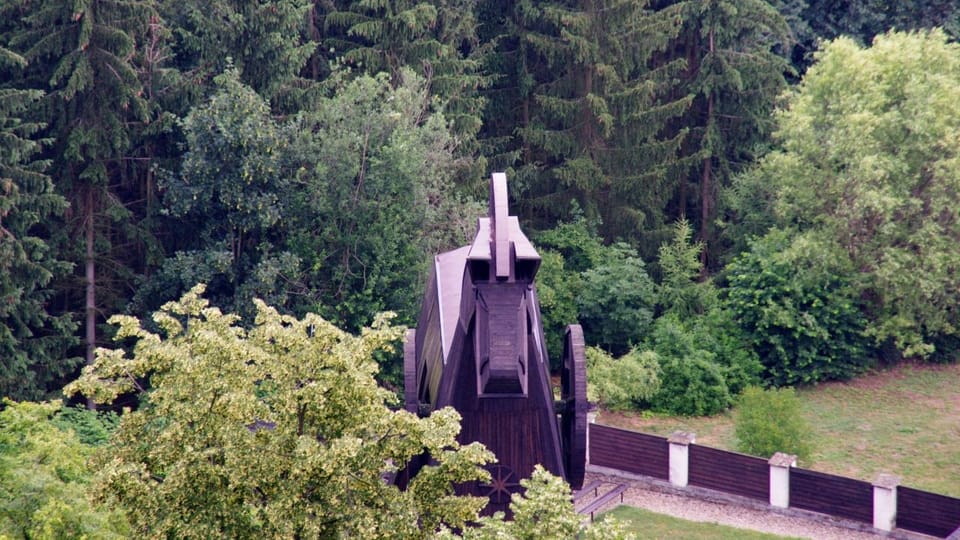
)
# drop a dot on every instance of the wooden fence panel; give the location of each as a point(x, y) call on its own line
point(832, 495)
point(629, 451)
point(927, 513)
point(729, 472)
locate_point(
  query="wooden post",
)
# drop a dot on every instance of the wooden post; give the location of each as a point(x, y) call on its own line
point(780, 465)
point(680, 442)
point(885, 502)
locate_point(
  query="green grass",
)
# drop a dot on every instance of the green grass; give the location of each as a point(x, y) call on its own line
point(904, 421)
point(649, 525)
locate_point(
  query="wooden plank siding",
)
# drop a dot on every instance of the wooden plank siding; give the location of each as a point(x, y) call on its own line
point(927, 513)
point(830, 494)
point(629, 451)
point(730, 472)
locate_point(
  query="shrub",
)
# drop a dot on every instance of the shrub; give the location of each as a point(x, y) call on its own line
point(623, 383)
point(691, 386)
point(616, 300)
point(769, 421)
point(792, 296)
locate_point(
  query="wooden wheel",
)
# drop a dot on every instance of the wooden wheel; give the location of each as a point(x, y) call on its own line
point(573, 418)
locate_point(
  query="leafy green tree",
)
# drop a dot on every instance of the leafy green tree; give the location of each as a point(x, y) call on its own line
point(770, 421)
point(796, 303)
point(44, 478)
point(276, 431)
point(623, 383)
point(543, 510)
point(33, 339)
point(617, 300)
point(335, 209)
point(867, 160)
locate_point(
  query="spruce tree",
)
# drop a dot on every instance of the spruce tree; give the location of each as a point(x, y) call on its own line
point(582, 96)
point(33, 341)
point(84, 52)
point(735, 77)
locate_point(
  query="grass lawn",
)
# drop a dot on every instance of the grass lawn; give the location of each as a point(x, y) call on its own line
point(645, 524)
point(904, 421)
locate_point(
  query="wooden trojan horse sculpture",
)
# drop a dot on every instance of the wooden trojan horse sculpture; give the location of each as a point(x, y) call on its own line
point(479, 348)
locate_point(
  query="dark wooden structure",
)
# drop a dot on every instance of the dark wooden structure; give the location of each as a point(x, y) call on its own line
point(479, 348)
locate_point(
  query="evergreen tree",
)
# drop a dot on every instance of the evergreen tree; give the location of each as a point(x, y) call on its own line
point(264, 40)
point(33, 340)
point(436, 39)
point(582, 96)
point(735, 77)
point(85, 52)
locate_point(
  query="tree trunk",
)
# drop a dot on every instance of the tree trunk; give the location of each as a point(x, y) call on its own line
point(706, 187)
point(91, 301)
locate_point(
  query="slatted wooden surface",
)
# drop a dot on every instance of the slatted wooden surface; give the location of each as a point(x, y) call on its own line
point(730, 472)
point(927, 513)
point(629, 451)
point(833, 495)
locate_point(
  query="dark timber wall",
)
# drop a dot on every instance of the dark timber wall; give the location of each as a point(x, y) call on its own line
point(927, 513)
point(748, 476)
point(739, 474)
point(630, 451)
point(829, 494)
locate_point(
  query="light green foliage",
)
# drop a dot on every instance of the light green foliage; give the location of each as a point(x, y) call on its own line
point(543, 511)
point(276, 431)
point(870, 157)
point(681, 292)
point(794, 300)
point(44, 480)
point(334, 210)
point(770, 421)
point(623, 383)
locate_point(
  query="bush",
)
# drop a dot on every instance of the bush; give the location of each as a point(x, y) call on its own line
point(616, 300)
point(691, 386)
point(793, 298)
point(703, 363)
point(624, 383)
point(769, 421)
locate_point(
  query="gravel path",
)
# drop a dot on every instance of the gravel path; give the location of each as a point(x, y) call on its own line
point(653, 496)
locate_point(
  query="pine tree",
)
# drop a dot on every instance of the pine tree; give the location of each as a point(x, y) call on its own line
point(33, 341)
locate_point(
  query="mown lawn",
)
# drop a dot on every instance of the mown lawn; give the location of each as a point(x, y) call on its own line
point(904, 421)
point(648, 525)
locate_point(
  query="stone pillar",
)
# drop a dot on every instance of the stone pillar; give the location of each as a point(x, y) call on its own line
point(780, 465)
point(680, 442)
point(885, 502)
point(591, 419)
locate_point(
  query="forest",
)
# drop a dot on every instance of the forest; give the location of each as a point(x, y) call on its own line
point(697, 174)
point(725, 193)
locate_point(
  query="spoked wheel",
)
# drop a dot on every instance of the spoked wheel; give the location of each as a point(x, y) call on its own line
point(573, 393)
